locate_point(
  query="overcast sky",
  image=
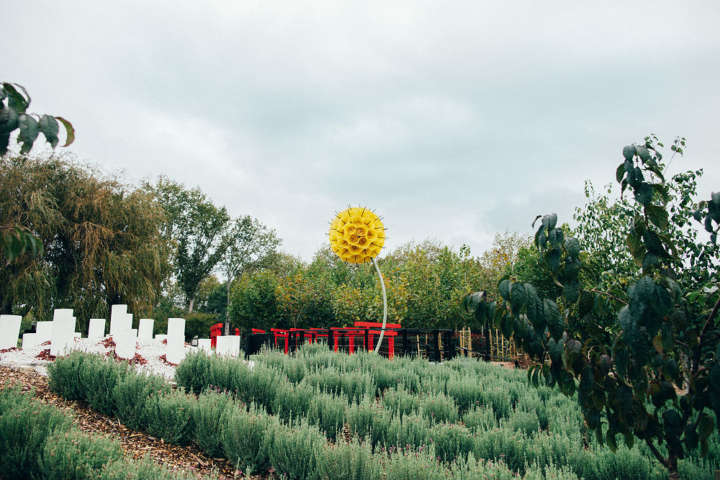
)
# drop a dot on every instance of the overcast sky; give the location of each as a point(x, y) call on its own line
point(452, 120)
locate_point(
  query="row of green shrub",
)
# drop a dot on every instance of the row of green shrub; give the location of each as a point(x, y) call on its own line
point(526, 425)
point(38, 441)
point(252, 439)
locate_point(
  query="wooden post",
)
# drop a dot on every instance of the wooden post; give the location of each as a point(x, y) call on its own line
point(490, 345)
point(717, 474)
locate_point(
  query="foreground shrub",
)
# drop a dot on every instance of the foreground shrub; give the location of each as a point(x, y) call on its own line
point(207, 417)
point(76, 456)
point(24, 429)
point(347, 461)
point(144, 469)
point(245, 438)
point(193, 373)
point(65, 375)
point(130, 395)
point(327, 413)
point(293, 451)
point(451, 442)
point(99, 379)
point(169, 416)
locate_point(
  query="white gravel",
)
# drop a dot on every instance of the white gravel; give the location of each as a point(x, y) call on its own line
point(151, 352)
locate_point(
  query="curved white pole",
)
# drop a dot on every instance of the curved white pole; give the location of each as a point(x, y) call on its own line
point(382, 284)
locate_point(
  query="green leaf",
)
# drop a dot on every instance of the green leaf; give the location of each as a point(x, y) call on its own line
point(4, 141)
point(49, 127)
point(553, 318)
point(572, 247)
point(29, 131)
point(706, 426)
point(504, 289)
point(643, 193)
point(654, 244)
point(16, 100)
point(69, 130)
point(628, 152)
point(657, 215)
point(643, 153)
point(8, 120)
point(518, 297)
point(620, 172)
point(550, 221)
point(534, 308)
point(471, 301)
point(571, 291)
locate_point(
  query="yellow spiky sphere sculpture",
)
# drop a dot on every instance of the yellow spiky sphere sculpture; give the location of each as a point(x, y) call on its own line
point(357, 235)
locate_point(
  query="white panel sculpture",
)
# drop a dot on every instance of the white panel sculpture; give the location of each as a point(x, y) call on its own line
point(175, 340)
point(228, 345)
point(30, 340)
point(124, 344)
point(9, 330)
point(119, 319)
point(145, 330)
point(204, 345)
point(96, 330)
point(43, 331)
point(63, 328)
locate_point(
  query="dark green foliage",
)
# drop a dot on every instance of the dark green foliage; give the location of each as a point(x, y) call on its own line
point(414, 466)
point(327, 413)
point(144, 469)
point(347, 461)
point(451, 442)
point(293, 401)
point(628, 349)
point(170, 416)
point(132, 393)
point(247, 438)
point(294, 451)
point(194, 372)
point(14, 102)
point(99, 383)
point(76, 456)
point(24, 429)
point(66, 375)
point(198, 324)
point(207, 416)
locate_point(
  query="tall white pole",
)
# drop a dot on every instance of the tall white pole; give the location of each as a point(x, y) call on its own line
point(382, 284)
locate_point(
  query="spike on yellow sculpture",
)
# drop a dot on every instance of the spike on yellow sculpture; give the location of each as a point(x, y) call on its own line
point(357, 235)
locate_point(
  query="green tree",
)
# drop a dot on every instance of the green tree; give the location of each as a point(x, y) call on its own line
point(253, 301)
point(198, 229)
point(249, 244)
point(16, 239)
point(645, 365)
point(102, 239)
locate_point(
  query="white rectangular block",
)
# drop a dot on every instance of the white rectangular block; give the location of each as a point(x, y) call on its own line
point(176, 330)
point(62, 335)
point(119, 319)
point(62, 313)
point(204, 345)
point(124, 344)
point(175, 353)
point(228, 345)
point(9, 330)
point(175, 340)
point(145, 330)
point(96, 331)
point(43, 331)
point(30, 340)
